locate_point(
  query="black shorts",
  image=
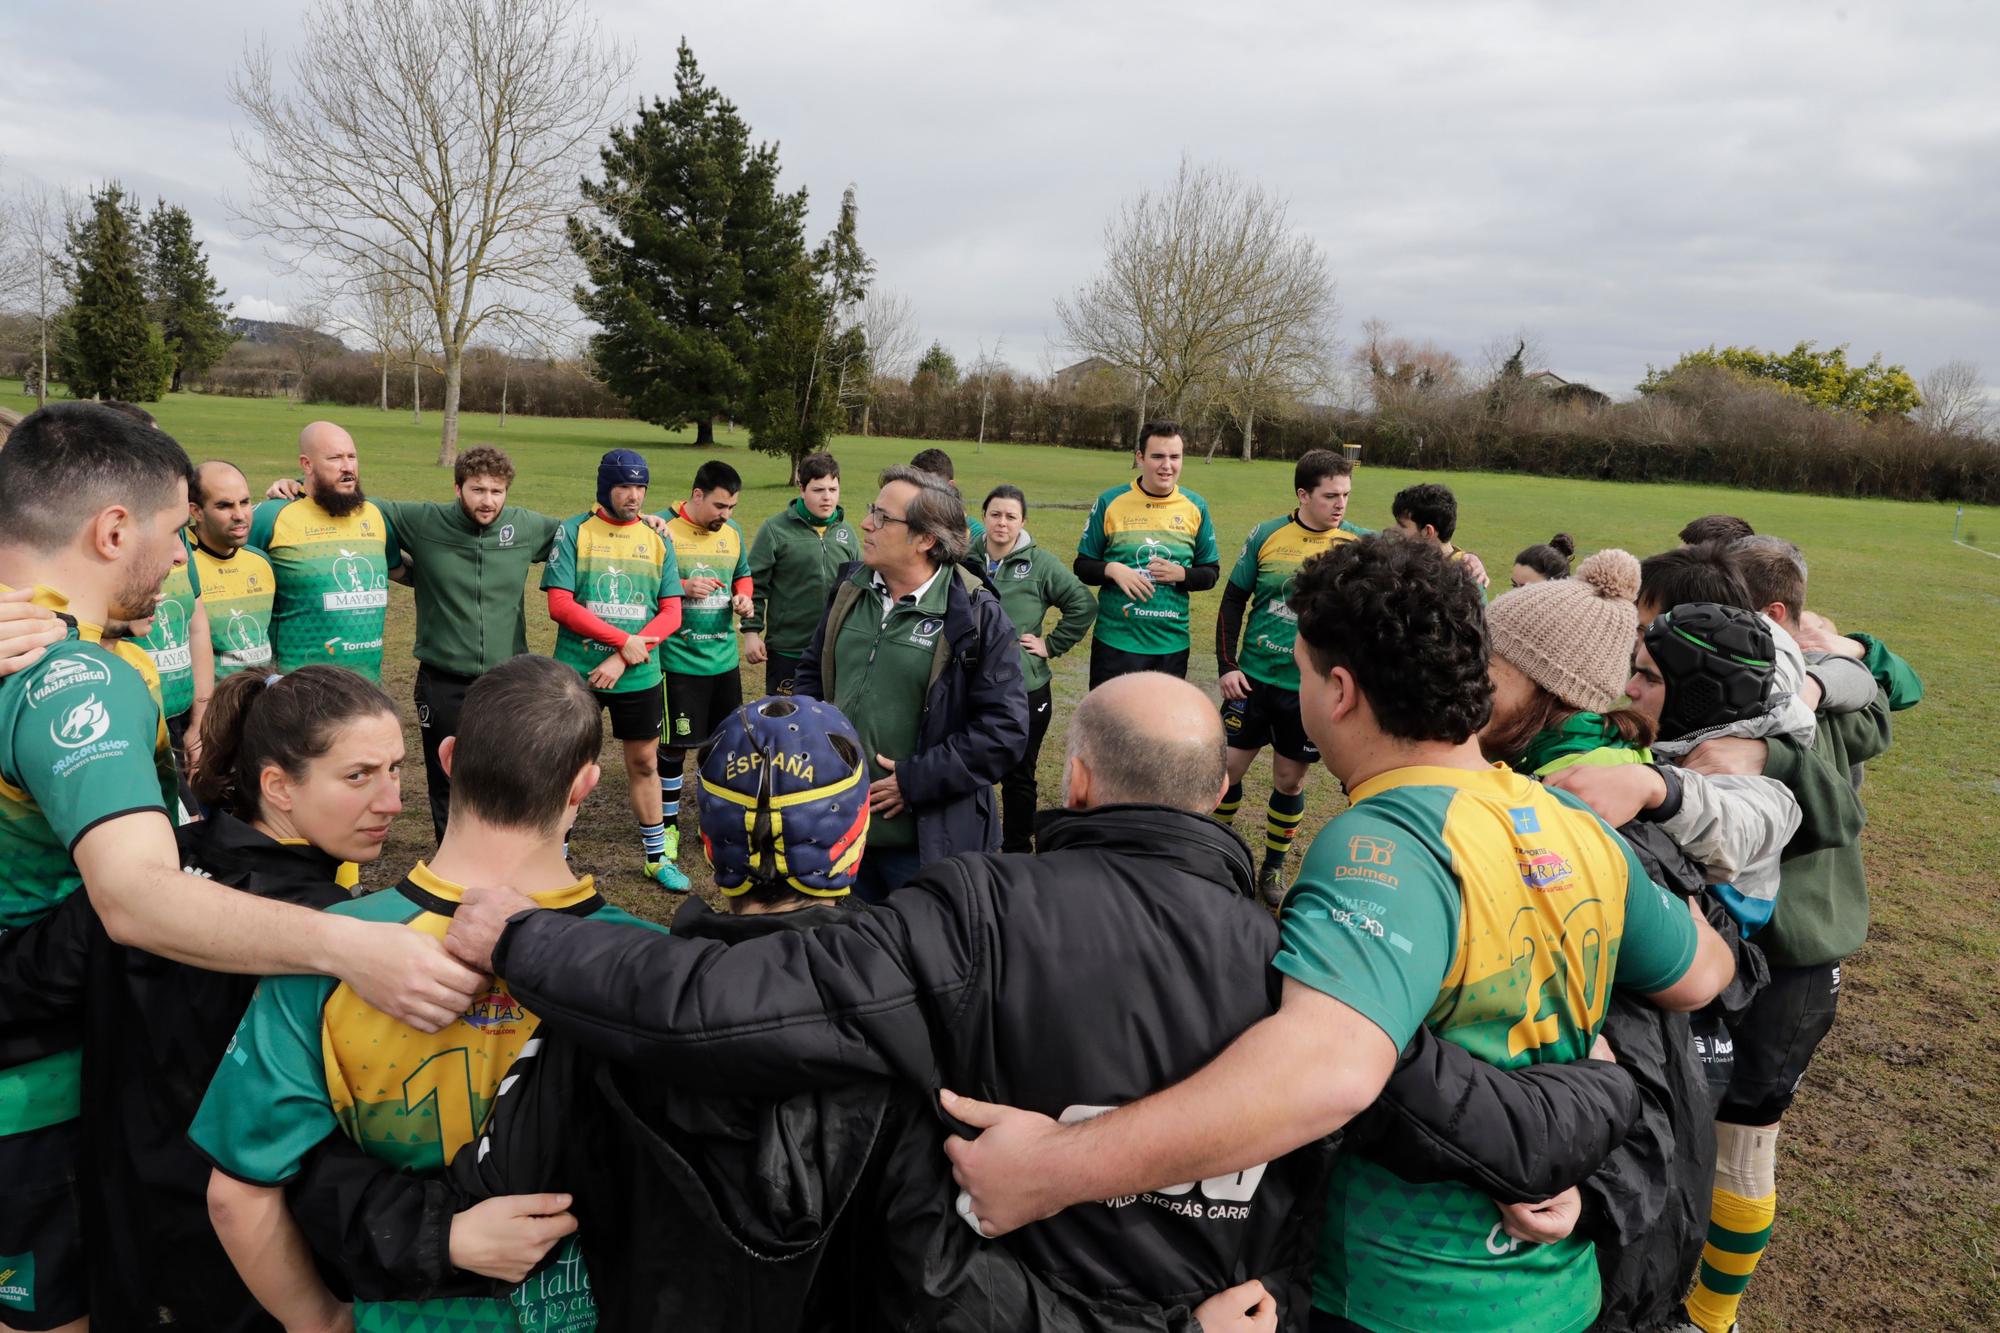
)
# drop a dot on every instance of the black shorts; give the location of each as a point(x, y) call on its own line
point(696, 705)
point(43, 1281)
point(1270, 716)
point(1107, 663)
point(635, 714)
point(1775, 1041)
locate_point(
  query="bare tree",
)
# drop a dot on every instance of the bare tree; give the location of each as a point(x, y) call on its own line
point(444, 138)
point(37, 222)
point(307, 342)
point(1396, 366)
point(377, 307)
point(889, 331)
point(983, 368)
point(1192, 274)
point(1289, 356)
point(1953, 400)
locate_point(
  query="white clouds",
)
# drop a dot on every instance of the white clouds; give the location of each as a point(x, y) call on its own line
point(1627, 180)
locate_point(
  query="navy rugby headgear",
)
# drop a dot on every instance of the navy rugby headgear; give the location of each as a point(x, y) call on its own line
point(620, 467)
point(1718, 663)
point(784, 797)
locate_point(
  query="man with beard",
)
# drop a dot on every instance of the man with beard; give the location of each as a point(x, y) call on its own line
point(91, 507)
point(333, 553)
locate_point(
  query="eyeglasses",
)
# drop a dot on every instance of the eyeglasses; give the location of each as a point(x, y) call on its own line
point(880, 516)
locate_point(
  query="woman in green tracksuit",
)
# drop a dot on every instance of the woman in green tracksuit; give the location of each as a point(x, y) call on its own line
point(1030, 581)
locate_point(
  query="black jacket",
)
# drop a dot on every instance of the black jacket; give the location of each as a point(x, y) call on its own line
point(153, 1031)
point(975, 717)
point(824, 1211)
point(1118, 960)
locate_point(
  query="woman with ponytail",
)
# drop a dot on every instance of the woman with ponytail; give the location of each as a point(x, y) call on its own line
point(300, 773)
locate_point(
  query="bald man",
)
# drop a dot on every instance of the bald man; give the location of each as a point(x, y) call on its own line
point(236, 578)
point(333, 554)
point(1125, 954)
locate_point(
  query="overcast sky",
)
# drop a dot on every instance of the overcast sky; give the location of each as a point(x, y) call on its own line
point(1624, 180)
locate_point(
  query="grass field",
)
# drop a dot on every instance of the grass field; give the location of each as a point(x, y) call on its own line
point(1889, 1214)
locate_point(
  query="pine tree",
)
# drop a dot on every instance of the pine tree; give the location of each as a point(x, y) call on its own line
point(186, 299)
point(693, 257)
point(112, 349)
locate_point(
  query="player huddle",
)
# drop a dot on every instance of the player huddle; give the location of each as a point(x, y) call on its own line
point(1614, 810)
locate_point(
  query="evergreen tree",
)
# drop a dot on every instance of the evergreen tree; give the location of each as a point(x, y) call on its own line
point(112, 349)
point(186, 299)
point(940, 364)
point(694, 256)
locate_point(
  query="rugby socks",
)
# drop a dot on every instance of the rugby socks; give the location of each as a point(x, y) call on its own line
point(654, 837)
point(1739, 1222)
point(670, 790)
point(1281, 825)
point(1232, 801)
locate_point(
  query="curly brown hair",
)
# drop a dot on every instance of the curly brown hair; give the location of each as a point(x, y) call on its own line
point(483, 460)
point(1411, 628)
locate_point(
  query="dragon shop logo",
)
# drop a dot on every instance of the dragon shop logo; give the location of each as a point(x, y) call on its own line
point(82, 725)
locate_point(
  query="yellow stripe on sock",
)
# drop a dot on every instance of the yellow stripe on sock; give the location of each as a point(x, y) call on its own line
point(1739, 1228)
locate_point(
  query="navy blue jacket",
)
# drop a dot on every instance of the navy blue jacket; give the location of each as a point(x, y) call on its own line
point(975, 722)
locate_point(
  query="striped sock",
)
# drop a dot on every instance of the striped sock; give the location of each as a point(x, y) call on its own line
point(1232, 801)
point(1281, 825)
point(653, 837)
point(670, 791)
point(1739, 1222)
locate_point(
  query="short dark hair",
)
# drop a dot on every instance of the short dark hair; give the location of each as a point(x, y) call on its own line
point(483, 460)
point(716, 475)
point(936, 462)
point(1158, 430)
point(67, 461)
point(526, 728)
point(1316, 465)
point(815, 466)
point(257, 720)
point(1428, 504)
point(1550, 559)
point(1773, 570)
point(1005, 492)
point(1715, 528)
point(1411, 628)
point(132, 410)
point(1703, 573)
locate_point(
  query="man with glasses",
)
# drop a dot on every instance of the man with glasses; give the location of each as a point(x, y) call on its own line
point(919, 654)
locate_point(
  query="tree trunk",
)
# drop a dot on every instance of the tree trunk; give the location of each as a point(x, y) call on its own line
point(980, 443)
point(704, 429)
point(42, 385)
point(1249, 421)
point(385, 380)
point(1140, 424)
point(867, 406)
point(505, 370)
point(416, 392)
point(454, 370)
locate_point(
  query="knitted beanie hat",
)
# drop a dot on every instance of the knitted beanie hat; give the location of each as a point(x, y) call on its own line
point(1573, 637)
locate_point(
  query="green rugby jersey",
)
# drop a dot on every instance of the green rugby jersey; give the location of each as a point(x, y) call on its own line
point(238, 590)
point(705, 644)
point(1498, 913)
point(618, 572)
point(82, 741)
point(168, 644)
point(1272, 554)
point(1131, 527)
point(333, 583)
point(311, 1056)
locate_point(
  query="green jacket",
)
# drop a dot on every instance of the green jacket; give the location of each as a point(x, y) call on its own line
point(1822, 911)
point(1031, 581)
point(469, 580)
point(792, 567)
point(1895, 676)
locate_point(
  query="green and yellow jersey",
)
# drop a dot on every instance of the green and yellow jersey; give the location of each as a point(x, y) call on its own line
point(1272, 554)
point(332, 583)
point(238, 590)
point(618, 572)
point(705, 644)
point(1133, 528)
point(311, 1056)
point(1498, 913)
point(168, 644)
point(82, 741)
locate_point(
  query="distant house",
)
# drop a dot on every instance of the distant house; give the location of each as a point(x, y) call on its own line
point(1070, 378)
point(1567, 391)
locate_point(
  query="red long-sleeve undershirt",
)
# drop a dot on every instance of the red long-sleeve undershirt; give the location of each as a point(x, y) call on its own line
point(564, 610)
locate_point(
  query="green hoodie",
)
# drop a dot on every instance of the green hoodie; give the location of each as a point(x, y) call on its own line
point(1030, 581)
point(792, 565)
